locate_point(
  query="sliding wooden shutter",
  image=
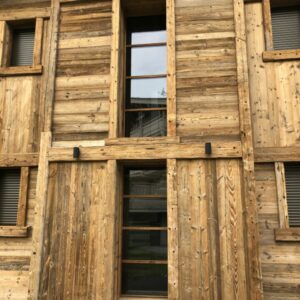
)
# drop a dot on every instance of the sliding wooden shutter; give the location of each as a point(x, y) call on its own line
point(292, 174)
point(9, 196)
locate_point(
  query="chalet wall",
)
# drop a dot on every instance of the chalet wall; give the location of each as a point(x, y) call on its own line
point(274, 89)
point(81, 107)
point(207, 99)
point(280, 260)
point(15, 254)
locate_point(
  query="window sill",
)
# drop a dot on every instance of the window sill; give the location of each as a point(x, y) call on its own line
point(287, 235)
point(142, 141)
point(142, 298)
point(21, 71)
point(280, 55)
point(14, 231)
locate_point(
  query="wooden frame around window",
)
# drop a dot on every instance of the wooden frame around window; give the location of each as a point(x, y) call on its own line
point(6, 48)
point(284, 232)
point(271, 55)
point(20, 230)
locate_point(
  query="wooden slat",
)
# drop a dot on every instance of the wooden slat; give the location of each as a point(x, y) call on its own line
point(19, 160)
point(164, 151)
point(21, 71)
point(280, 55)
point(38, 234)
point(171, 69)
point(38, 42)
point(271, 154)
point(255, 289)
point(23, 194)
point(25, 14)
point(281, 195)
point(142, 141)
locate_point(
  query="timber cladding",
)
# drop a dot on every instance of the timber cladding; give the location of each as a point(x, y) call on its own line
point(81, 106)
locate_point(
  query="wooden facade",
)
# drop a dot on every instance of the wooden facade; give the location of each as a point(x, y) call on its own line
point(228, 230)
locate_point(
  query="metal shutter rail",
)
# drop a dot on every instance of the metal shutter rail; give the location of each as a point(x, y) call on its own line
point(292, 174)
point(22, 48)
point(9, 196)
point(286, 28)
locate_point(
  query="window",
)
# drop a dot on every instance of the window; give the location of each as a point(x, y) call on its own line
point(146, 84)
point(286, 27)
point(292, 178)
point(9, 196)
point(282, 25)
point(144, 232)
point(22, 47)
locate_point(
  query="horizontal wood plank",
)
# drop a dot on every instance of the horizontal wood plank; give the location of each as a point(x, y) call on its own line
point(21, 71)
point(19, 160)
point(271, 154)
point(278, 55)
point(14, 231)
point(287, 234)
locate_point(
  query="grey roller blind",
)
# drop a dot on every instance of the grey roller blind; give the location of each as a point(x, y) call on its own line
point(292, 174)
point(22, 47)
point(9, 196)
point(286, 28)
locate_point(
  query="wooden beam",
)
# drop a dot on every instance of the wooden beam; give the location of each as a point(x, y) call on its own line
point(19, 160)
point(25, 14)
point(287, 234)
point(39, 213)
point(171, 69)
point(255, 288)
point(21, 71)
point(115, 100)
point(173, 231)
point(281, 195)
point(48, 87)
point(142, 141)
point(148, 152)
point(268, 24)
point(281, 55)
point(23, 192)
point(272, 154)
point(38, 42)
point(14, 231)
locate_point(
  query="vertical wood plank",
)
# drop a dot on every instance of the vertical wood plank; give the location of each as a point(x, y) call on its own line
point(2, 41)
point(254, 266)
point(38, 41)
point(48, 89)
point(22, 204)
point(173, 233)
point(39, 212)
point(115, 100)
point(268, 24)
point(281, 195)
point(171, 69)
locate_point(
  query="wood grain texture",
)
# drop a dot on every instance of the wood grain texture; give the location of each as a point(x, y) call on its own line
point(280, 260)
point(206, 74)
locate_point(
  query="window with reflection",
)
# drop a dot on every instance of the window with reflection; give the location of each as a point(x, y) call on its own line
point(146, 85)
point(144, 232)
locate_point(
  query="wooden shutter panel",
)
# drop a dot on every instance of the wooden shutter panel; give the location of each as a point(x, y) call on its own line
point(286, 28)
point(292, 174)
point(22, 48)
point(9, 196)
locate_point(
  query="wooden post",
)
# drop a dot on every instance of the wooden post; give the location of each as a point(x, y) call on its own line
point(252, 241)
point(268, 25)
point(39, 216)
point(24, 181)
point(38, 42)
point(171, 69)
point(173, 233)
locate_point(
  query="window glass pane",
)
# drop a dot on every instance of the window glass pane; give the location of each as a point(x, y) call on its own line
point(148, 61)
point(142, 279)
point(146, 93)
point(145, 212)
point(145, 182)
point(146, 123)
point(142, 244)
point(159, 36)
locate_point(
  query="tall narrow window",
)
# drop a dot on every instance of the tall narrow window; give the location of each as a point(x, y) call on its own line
point(292, 177)
point(9, 196)
point(144, 248)
point(146, 88)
